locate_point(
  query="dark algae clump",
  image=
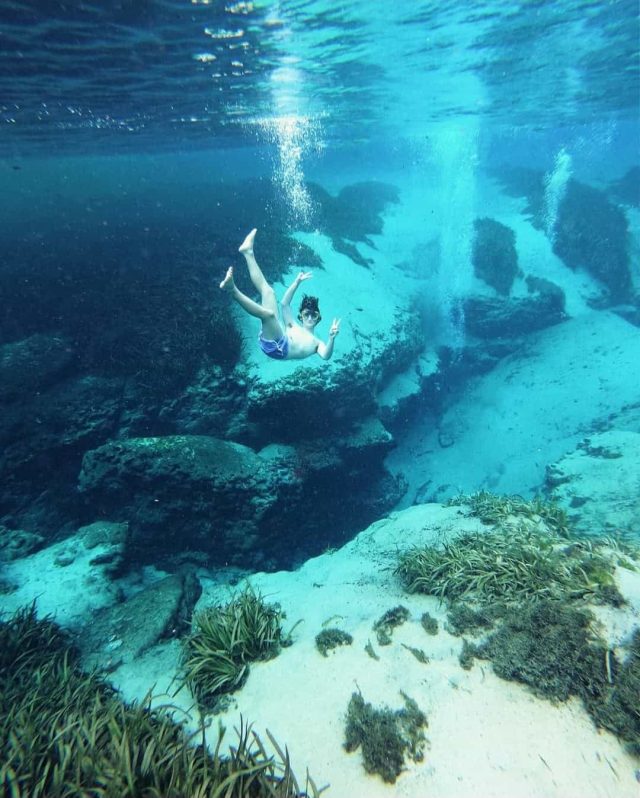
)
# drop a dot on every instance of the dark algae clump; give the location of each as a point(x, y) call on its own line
point(547, 645)
point(332, 638)
point(385, 736)
point(550, 647)
point(618, 709)
point(385, 625)
point(429, 624)
point(462, 619)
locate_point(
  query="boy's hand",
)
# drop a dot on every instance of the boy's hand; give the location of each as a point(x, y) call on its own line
point(303, 276)
point(335, 328)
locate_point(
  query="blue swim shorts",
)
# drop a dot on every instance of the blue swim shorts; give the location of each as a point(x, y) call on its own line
point(276, 349)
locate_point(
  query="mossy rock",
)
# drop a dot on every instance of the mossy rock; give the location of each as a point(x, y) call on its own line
point(495, 259)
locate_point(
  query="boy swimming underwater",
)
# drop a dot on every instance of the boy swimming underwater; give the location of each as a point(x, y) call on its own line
point(294, 341)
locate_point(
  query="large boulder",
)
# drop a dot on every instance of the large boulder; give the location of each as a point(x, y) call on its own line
point(226, 503)
point(120, 633)
point(501, 317)
point(184, 491)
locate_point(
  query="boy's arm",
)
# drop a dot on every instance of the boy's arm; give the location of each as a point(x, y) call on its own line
point(285, 304)
point(326, 350)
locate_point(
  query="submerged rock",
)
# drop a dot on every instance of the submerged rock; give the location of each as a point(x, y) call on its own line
point(183, 491)
point(627, 188)
point(495, 259)
point(315, 403)
point(592, 233)
point(494, 317)
point(33, 363)
point(18, 543)
point(199, 494)
point(121, 633)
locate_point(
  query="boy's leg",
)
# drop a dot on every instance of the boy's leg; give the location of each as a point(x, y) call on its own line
point(270, 325)
point(252, 308)
point(267, 293)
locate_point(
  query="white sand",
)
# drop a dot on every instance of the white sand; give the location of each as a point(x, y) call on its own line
point(534, 407)
point(486, 736)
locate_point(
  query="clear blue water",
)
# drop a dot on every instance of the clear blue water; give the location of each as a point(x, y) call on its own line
point(133, 133)
point(140, 140)
point(149, 75)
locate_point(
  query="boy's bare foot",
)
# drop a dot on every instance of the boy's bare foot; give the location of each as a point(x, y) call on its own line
point(247, 245)
point(227, 284)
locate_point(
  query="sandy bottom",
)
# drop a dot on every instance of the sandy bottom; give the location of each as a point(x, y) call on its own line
point(486, 737)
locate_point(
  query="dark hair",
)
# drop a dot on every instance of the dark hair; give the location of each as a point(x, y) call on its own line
point(309, 303)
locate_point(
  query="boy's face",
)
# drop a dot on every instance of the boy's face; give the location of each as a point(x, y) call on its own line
point(309, 318)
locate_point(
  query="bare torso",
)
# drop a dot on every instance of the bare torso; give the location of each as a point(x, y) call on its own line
point(301, 342)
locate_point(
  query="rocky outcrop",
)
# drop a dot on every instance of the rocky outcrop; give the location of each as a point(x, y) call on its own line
point(497, 317)
point(353, 215)
point(310, 403)
point(42, 440)
point(74, 413)
point(201, 494)
point(184, 491)
point(592, 233)
point(18, 543)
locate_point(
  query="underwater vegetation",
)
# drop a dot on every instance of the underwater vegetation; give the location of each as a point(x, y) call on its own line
point(492, 508)
point(551, 647)
point(385, 736)
point(547, 645)
point(525, 584)
point(331, 638)
point(67, 733)
point(429, 624)
point(224, 640)
point(385, 625)
point(619, 707)
point(527, 554)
